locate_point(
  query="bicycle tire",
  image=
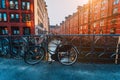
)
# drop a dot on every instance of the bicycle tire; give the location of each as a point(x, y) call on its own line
point(4, 46)
point(31, 58)
point(67, 56)
point(18, 47)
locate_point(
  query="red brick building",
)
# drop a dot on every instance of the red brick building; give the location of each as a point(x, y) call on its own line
point(96, 17)
point(54, 29)
point(17, 17)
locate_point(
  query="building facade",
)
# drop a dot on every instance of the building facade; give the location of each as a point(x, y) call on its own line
point(41, 16)
point(19, 17)
point(54, 29)
point(96, 17)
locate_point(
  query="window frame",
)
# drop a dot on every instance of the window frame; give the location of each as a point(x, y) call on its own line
point(14, 5)
point(15, 18)
point(4, 30)
point(102, 23)
point(115, 10)
point(3, 18)
point(115, 2)
point(16, 28)
point(26, 16)
point(26, 2)
point(25, 32)
point(1, 7)
point(113, 30)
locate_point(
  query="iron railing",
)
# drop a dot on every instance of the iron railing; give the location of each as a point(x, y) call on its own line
point(90, 46)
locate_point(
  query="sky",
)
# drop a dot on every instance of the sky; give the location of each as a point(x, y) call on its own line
point(59, 9)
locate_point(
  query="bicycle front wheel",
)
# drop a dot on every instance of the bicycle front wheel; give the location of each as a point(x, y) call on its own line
point(67, 54)
point(34, 55)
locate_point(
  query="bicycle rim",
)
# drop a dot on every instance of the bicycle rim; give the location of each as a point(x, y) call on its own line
point(68, 57)
point(33, 57)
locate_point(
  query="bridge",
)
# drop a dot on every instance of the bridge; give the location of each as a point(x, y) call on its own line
point(91, 47)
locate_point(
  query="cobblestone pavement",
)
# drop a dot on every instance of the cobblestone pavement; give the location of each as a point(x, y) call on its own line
point(11, 69)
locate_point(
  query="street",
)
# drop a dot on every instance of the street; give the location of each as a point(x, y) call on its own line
point(11, 69)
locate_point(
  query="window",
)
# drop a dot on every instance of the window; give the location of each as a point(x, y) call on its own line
point(26, 17)
point(3, 17)
point(94, 25)
point(14, 17)
point(113, 30)
point(103, 8)
point(3, 30)
point(15, 30)
point(94, 31)
point(104, 2)
point(102, 14)
point(113, 21)
point(26, 31)
point(116, 2)
point(25, 5)
point(2, 4)
point(102, 23)
point(115, 10)
point(96, 7)
point(13, 4)
point(101, 31)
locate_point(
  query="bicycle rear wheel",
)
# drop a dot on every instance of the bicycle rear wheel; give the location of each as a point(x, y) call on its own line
point(67, 54)
point(4, 47)
point(18, 47)
point(34, 55)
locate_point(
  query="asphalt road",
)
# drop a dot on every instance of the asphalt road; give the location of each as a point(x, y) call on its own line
point(11, 69)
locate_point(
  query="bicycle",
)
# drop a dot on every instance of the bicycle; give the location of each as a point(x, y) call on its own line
point(4, 46)
point(34, 52)
point(12, 46)
point(55, 45)
point(18, 47)
point(33, 49)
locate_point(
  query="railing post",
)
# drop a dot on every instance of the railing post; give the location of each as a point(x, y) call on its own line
point(10, 43)
point(93, 44)
point(117, 49)
point(81, 37)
